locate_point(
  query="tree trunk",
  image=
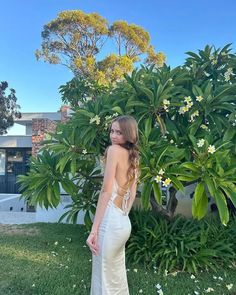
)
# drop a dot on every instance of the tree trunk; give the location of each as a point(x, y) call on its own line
point(172, 203)
point(170, 208)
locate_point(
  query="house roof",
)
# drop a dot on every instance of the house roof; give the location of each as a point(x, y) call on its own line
point(27, 118)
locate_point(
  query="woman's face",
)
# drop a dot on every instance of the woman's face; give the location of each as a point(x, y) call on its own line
point(116, 135)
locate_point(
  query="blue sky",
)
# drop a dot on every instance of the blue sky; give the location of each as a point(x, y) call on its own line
point(174, 26)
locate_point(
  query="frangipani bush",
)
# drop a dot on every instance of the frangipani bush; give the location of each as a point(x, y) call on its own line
point(186, 117)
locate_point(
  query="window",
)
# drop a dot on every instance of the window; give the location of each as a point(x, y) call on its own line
point(2, 162)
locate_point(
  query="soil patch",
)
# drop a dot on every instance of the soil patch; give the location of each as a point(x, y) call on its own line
point(8, 229)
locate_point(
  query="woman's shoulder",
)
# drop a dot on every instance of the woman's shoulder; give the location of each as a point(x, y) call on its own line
point(117, 152)
point(116, 148)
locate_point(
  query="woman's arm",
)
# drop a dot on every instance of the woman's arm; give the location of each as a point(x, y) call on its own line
point(107, 186)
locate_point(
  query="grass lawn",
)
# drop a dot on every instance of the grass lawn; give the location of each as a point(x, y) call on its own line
point(52, 259)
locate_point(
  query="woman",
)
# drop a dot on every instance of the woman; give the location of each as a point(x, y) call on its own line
point(111, 226)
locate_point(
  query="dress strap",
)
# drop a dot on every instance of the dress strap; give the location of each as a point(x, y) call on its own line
point(125, 197)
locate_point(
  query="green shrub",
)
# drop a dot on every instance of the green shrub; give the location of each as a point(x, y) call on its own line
point(180, 244)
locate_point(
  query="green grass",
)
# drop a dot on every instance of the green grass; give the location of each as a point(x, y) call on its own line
point(52, 259)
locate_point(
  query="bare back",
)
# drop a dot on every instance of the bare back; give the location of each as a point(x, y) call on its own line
point(121, 176)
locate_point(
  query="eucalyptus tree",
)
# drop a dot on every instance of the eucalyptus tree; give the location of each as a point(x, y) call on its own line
point(77, 39)
point(9, 109)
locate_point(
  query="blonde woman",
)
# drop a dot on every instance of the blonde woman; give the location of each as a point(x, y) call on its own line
point(111, 226)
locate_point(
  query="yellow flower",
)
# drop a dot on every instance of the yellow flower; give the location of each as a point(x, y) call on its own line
point(199, 98)
point(166, 182)
point(158, 178)
point(211, 149)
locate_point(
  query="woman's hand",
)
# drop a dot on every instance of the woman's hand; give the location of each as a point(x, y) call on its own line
point(92, 242)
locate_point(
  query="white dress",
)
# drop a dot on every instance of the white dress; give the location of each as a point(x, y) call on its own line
point(108, 267)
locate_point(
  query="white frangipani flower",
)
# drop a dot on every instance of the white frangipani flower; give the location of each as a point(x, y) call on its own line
point(95, 119)
point(199, 98)
point(228, 73)
point(166, 102)
point(211, 149)
point(203, 126)
point(84, 151)
point(158, 178)
point(201, 142)
point(187, 99)
point(214, 62)
point(229, 286)
point(174, 274)
point(195, 114)
point(161, 171)
point(181, 110)
point(158, 286)
point(209, 289)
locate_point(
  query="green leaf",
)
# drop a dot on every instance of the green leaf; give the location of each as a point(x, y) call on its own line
point(85, 113)
point(222, 207)
point(62, 163)
point(118, 110)
point(177, 184)
point(197, 91)
point(148, 93)
point(157, 192)
point(230, 194)
point(73, 166)
point(145, 195)
point(210, 184)
point(87, 220)
point(191, 166)
point(229, 134)
point(187, 178)
point(148, 127)
point(200, 201)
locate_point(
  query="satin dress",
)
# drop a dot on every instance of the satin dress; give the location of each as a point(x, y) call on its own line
point(108, 267)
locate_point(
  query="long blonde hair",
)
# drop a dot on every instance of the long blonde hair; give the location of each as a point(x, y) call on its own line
point(129, 129)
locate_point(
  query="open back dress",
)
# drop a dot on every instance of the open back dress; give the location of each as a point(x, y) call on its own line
point(108, 267)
